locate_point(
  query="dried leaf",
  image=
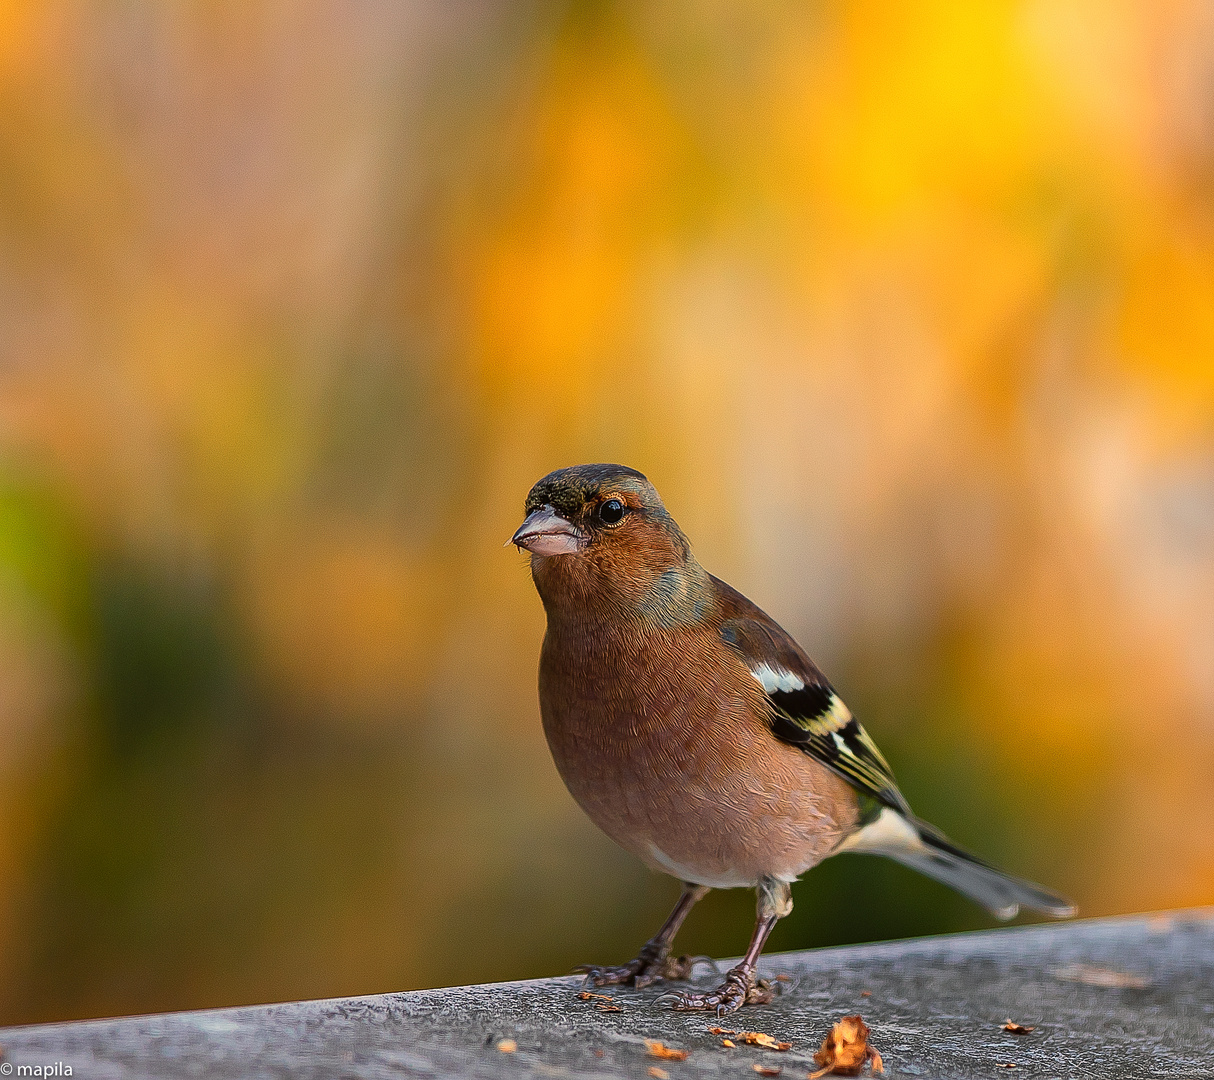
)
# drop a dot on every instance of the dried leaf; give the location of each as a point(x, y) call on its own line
point(767, 1070)
point(659, 1050)
point(607, 1008)
point(658, 1074)
point(1017, 1029)
point(866, 993)
point(586, 995)
point(721, 1031)
point(728, 1042)
point(1101, 976)
point(507, 1046)
point(783, 978)
point(757, 1038)
point(845, 1051)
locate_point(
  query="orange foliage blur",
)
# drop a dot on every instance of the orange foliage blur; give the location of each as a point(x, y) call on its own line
point(907, 309)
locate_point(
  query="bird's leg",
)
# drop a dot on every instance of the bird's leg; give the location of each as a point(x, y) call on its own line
point(739, 987)
point(654, 961)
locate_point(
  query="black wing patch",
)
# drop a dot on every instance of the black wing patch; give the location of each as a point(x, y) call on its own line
point(808, 714)
point(832, 735)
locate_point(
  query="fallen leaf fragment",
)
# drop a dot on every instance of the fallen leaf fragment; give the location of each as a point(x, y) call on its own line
point(507, 1046)
point(607, 1008)
point(721, 1031)
point(660, 1050)
point(783, 978)
point(845, 1051)
point(1101, 976)
point(866, 993)
point(658, 1074)
point(728, 1042)
point(586, 995)
point(1017, 1029)
point(767, 1070)
point(757, 1038)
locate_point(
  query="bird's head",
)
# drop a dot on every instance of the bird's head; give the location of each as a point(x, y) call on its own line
point(601, 532)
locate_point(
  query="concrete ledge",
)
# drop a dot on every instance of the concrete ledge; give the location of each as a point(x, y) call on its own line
point(1127, 997)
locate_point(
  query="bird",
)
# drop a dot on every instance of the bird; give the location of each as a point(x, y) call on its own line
point(698, 735)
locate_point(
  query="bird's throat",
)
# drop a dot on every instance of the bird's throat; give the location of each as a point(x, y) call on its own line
point(583, 591)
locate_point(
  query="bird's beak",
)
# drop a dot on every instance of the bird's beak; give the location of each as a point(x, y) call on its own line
point(545, 532)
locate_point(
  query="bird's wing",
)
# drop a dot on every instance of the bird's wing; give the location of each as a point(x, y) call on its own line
point(805, 710)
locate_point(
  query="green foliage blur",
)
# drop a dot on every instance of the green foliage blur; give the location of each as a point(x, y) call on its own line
point(907, 309)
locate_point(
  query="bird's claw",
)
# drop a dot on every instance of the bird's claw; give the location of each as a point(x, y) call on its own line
point(784, 984)
point(738, 988)
point(605, 976)
point(645, 970)
point(762, 992)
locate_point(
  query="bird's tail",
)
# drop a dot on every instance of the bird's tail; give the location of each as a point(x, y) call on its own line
point(917, 844)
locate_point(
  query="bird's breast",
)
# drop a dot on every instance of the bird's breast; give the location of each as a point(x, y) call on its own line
point(663, 741)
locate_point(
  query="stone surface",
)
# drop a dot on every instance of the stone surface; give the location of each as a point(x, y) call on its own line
point(936, 1006)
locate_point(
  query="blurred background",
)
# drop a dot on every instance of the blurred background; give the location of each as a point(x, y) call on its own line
point(906, 308)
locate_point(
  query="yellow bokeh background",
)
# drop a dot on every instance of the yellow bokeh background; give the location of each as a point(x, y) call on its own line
point(906, 308)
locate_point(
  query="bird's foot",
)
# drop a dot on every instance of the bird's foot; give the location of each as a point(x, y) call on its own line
point(739, 988)
point(651, 965)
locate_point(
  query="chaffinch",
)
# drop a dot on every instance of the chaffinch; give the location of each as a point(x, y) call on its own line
point(697, 734)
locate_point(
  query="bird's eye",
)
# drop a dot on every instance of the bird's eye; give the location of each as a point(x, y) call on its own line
point(611, 512)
